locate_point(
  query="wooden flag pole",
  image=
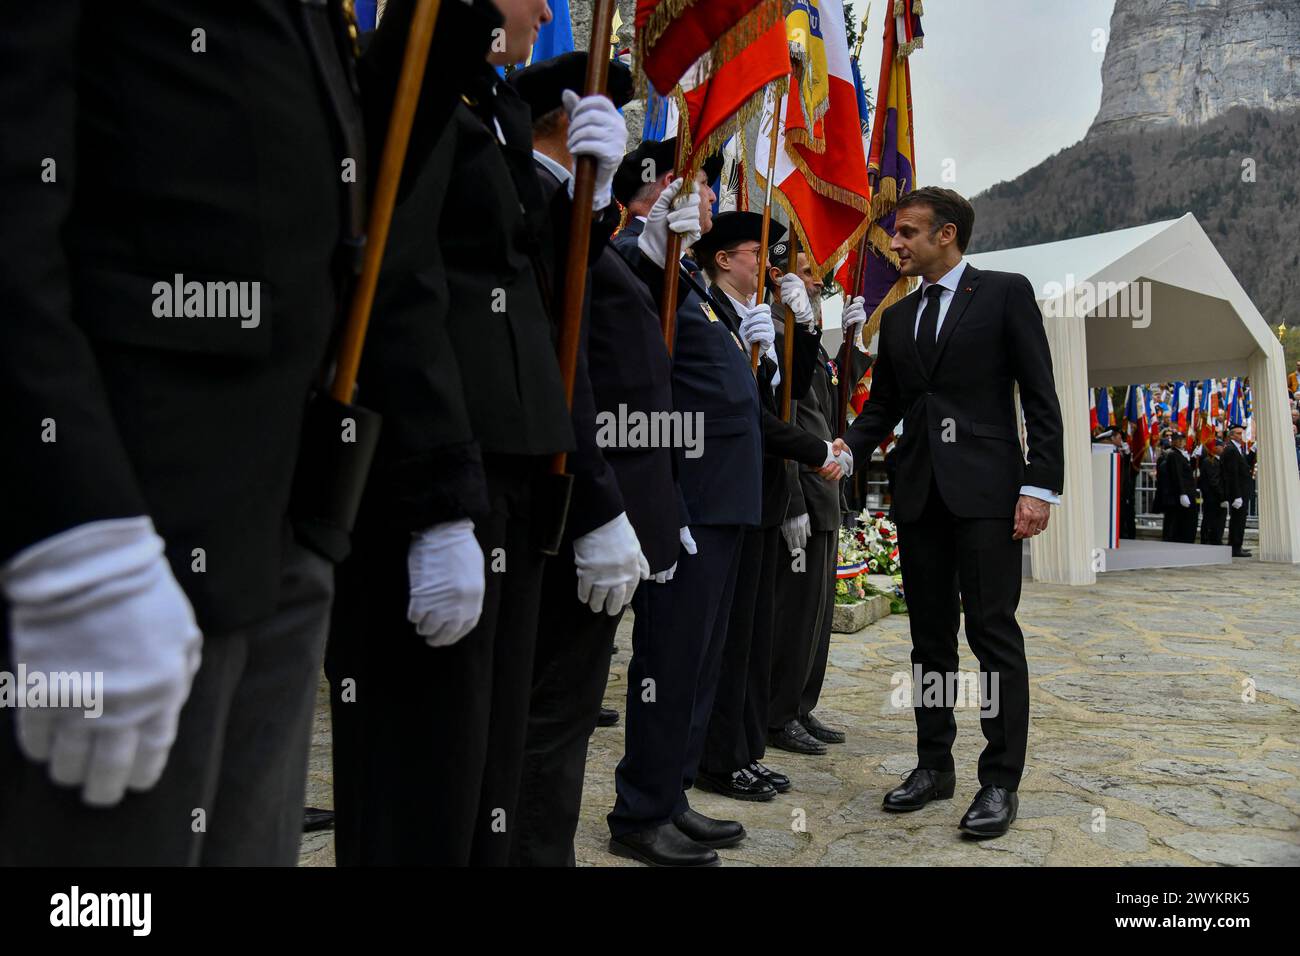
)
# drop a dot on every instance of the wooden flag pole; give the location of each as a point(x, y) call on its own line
point(584, 189)
point(767, 224)
point(846, 349)
point(405, 101)
point(672, 258)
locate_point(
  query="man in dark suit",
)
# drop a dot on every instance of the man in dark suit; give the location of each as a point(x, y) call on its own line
point(432, 646)
point(623, 355)
point(680, 626)
point(734, 746)
point(949, 356)
point(1213, 503)
point(186, 189)
point(1236, 489)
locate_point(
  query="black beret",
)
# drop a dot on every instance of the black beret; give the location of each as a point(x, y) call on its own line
point(732, 227)
point(541, 84)
point(650, 160)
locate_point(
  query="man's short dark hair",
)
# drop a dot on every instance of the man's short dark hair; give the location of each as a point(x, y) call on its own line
point(946, 206)
point(548, 123)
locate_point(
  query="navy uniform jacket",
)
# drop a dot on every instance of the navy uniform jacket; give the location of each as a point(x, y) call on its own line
point(711, 376)
point(781, 440)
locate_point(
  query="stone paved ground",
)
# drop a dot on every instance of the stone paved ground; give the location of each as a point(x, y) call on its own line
point(1142, 749)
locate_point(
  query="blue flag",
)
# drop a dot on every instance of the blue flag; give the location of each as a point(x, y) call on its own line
point(555, 37)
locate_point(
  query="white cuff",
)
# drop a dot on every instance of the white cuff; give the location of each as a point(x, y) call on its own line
point(1033, 491)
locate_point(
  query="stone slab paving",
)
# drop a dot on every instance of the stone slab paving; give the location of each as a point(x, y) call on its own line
point(1165, 731)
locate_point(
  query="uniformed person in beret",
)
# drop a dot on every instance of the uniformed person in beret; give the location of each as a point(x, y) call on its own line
point(735, 744)
point(622, 498)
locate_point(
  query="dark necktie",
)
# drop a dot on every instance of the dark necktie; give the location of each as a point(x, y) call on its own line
point(928, 329)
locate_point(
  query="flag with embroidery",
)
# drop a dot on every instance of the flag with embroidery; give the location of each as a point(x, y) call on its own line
point(674, 36)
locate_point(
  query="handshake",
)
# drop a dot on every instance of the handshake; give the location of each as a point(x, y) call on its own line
point(839, 461)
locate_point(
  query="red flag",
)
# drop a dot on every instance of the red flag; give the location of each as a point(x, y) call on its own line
point(673, 35)
point(721, 104)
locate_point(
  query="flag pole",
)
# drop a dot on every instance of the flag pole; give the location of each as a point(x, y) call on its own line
point(787, 360)
point(392, 159)
point(673, 255)
point(767, 225)
point(859, 272)
point(584, 188)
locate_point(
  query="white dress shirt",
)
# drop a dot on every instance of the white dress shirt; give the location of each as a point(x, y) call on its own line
point(949, 282)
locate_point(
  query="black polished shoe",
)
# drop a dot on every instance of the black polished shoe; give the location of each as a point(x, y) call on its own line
point(314, 818)
point(739, 785)
point(794, 738)
point(707, 831)
point(992, 812)
point(779, 781)
point(921, 786)
point(819, 730)
point(1242, 553)
point(607, 718)
point(664, 845)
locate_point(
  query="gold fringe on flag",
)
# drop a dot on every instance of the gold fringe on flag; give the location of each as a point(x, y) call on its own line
point(748, 29)
point(897, 292)
point(734, 124)
point(820, 269)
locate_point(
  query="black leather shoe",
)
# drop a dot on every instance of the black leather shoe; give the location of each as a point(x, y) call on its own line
point(607, 718)
point(707, 831)
point(794, 738)
point(819, 730)
point(314, 818)
point(664, 845)
point(992, 812)
point(739, 785)
point(1241, 553)
point(779, 781)
point(921, 786)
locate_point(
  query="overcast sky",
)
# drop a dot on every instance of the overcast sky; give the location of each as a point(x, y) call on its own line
point(1000, 85)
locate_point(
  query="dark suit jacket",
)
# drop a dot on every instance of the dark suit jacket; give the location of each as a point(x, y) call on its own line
point(711, 377)
point(1210, 481)
point(1179, 479)
point(992, 337)
point(781, 440)
point(220, 166)
point(1236, 473)
point(629, 365)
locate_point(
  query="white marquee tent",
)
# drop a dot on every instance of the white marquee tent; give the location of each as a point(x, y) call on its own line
point(1190, 319)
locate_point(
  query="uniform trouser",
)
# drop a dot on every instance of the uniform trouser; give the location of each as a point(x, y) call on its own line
point(1179, 524)
point(737, 731)
point(429, 742)
point(1237, 525)
point(677, 641)
point(1213, 518)
point(944, 556)
point(232, 791)
point(1171, 523)
point(802, 631)
point(569, 673)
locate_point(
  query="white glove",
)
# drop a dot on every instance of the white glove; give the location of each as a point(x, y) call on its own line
point(844, 459)
point(1223, 504)
point(1184, 501)
point(609, 564)
point(1237, 503)
point(663, 577)
point(100, 599)
point(795, 531)
point(795, 294)
point(854, 317)
point(687, 541)
point(757, 326)
point(685, 221)
point(446, 570)
point(596, 129)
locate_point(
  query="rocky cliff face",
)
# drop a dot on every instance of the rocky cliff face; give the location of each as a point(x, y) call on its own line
point(1183, 62)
